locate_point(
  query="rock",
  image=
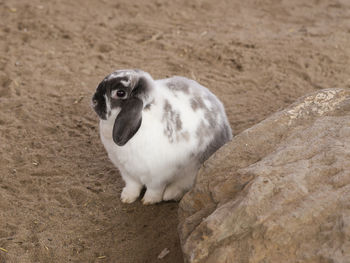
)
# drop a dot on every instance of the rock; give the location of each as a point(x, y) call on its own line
point(278, 192)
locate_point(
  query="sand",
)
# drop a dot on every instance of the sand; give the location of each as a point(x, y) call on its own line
point(59, 193)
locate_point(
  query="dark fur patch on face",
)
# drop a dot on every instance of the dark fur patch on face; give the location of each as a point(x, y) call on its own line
point(104, 90)
point(117, 84)
point(99, 101)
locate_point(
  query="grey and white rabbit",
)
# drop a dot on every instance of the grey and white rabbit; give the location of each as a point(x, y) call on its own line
point(158, 132)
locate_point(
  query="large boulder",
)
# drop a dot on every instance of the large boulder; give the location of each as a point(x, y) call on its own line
point(278, 192)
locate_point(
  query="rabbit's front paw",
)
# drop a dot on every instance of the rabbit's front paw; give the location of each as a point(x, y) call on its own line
point(130, 193)
point(152, 196)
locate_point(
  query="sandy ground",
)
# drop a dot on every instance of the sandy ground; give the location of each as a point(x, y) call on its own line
point(59, 194)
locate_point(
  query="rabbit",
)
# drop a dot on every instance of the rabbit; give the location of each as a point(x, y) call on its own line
point(158, 132)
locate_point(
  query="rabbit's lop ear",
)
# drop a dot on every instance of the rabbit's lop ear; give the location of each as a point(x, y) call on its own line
point(128, 121)
point(129, 118)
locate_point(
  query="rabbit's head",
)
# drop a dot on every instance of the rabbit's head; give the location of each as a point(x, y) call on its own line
point(124, 93)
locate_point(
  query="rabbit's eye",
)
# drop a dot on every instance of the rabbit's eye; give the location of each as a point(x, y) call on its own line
point(118, 94)
point(121, 93)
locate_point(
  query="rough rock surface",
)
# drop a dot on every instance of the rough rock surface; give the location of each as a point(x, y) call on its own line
point(278, 192)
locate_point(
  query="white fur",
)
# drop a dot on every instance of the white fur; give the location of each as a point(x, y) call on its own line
point(166, 167)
